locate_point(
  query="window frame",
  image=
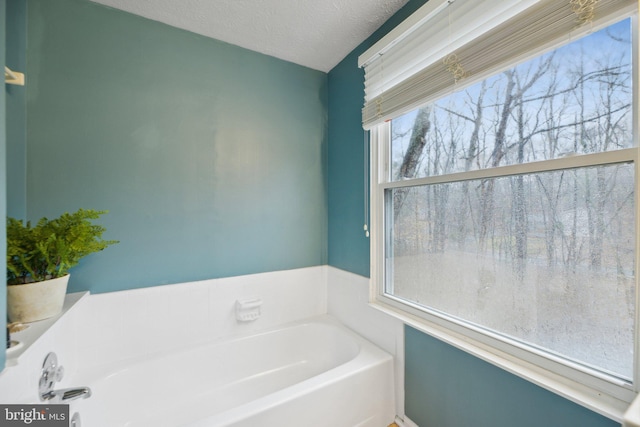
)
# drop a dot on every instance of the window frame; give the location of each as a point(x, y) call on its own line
point(598, 391)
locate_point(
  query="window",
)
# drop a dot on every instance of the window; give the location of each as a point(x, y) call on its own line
point(506, 207)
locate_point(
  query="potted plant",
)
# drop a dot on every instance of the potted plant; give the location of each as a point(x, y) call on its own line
point(39, 259)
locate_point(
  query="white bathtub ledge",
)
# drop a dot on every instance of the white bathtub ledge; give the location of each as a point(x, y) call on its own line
point(27, 338)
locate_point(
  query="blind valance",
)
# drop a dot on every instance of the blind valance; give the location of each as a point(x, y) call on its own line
point(452, 44)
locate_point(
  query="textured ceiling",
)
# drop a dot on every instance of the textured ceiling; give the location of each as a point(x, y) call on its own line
point(314, 33)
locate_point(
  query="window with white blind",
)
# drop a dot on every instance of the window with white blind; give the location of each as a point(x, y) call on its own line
point(504, 182)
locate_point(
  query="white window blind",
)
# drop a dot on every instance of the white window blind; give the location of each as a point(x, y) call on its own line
point(447, 45)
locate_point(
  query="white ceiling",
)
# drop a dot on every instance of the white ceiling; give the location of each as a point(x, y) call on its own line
point(315, 33)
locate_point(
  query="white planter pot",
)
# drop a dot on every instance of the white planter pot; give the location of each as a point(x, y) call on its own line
point(36, 301)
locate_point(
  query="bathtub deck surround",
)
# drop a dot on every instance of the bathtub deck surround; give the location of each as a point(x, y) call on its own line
point(122, 332)
point(23, 336)
point(191, 313)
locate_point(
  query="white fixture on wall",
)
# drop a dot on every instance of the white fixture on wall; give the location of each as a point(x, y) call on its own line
point(248, 310)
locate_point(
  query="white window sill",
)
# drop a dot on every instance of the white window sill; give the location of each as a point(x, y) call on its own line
point(632, 416)
point(590, 398)
point(29, 336)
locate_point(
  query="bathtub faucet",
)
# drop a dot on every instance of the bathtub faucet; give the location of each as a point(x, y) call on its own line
point(67, 395)
point(51, 374)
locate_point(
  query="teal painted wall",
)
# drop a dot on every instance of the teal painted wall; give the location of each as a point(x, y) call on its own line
point(210, 158)
point(448, 387)
point(3, 179)
point(16, 51)
point(348, 245)
point(445, 387)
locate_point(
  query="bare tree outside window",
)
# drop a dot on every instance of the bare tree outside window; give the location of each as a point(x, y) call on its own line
point(547, 257)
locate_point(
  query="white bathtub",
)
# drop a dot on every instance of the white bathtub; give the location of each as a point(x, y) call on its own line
point(304, 374)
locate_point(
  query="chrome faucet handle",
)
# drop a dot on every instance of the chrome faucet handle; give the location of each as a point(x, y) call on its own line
point(51, 374)
point(67, 395)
